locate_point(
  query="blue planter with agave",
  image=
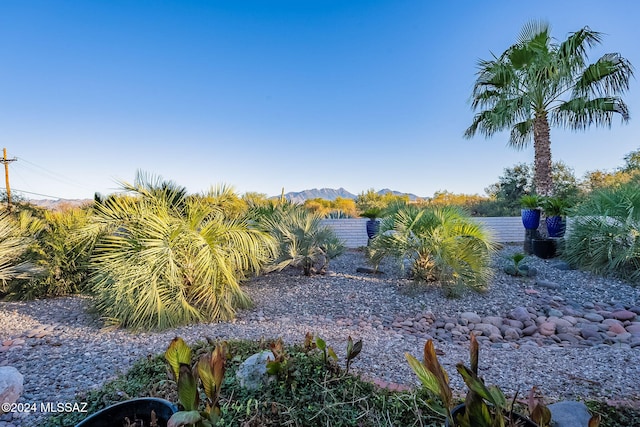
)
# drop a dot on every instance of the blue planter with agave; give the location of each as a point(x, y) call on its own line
point(555, 226)
point(531, 218)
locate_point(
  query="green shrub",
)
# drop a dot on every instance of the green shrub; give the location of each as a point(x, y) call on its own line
point(441, 244)
point(309, 393)
point(303, 241)
point(14, 244)
point(163, 260)
point(604, 236)
point(57, 251)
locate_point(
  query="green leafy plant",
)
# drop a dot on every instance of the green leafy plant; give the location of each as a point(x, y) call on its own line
point(442, 244)
point(372, 213)
point(554, 206)
point(321, 345)
point(353, 350)
point(530, 201)
point(517, 268)
point(484, 406)
point(209, 373)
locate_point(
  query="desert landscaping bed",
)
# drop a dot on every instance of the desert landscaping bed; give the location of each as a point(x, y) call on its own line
point(571, 334)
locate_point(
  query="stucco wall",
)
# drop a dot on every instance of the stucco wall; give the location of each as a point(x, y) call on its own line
point(353, 231)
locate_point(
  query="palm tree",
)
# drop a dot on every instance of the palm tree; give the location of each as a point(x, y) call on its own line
point(164, 259)
point(442, 245)
point(537, 82)
point(303, 240)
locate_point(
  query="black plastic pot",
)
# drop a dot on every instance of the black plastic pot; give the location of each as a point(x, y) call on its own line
point(523, 421)
point(543, 248)
point(114, 415)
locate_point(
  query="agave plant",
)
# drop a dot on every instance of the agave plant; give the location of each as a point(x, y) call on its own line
point(441, 244)
point(605, 235)
point(304, 242)
point(163, 260)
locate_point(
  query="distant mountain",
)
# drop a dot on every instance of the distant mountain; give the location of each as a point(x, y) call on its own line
point(60, 203)
point(412, 196)
point(332, 194)
point(322, 193)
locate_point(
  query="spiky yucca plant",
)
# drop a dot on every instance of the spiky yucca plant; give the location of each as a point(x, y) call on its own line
point(605, 233)
point(162, 259)
point(442, 244)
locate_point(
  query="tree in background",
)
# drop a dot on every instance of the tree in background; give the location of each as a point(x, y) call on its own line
point(371, 200)
point(536, 83)
point(338, 208)
point(629, 173)
point(518, 181)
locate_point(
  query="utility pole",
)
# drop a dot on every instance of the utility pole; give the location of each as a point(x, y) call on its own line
point(6, 162)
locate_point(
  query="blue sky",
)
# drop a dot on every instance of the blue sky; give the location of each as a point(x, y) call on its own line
point(262, 95)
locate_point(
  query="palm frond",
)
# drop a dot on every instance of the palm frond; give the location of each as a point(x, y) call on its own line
point(608, 75)
point(580, 113)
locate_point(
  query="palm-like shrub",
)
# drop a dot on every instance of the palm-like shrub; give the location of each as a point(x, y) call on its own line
point(162, 259)
point(605, 233)
point(303, 241)
point(441, 244)
point(14, 245)
point(57, 251)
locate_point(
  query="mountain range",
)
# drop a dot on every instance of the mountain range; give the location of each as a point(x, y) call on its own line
point(332, 194)
point(293, 196)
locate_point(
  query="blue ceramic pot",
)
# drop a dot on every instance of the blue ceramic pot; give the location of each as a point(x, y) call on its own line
point(555, 226)
point(530, 218)
point(373, 226)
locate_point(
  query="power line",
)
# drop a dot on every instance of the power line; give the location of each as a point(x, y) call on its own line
point(43, 195)
point(54, 175)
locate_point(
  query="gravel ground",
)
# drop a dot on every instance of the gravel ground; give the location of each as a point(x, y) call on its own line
point(69, 352)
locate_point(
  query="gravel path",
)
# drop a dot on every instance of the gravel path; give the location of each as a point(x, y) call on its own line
point(593, 349)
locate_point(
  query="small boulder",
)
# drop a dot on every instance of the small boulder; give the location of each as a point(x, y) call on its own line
point(547, 284)
point(569, 414)
point(487, 329)
point(547, 328)
point(11, 384)
point(561, 265)
point(520, 313)
point(623, 315)
point(471, 317)
point(593, 317)
point(252, 373)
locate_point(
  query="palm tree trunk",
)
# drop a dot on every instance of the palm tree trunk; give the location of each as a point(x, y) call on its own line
point(542, 152)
